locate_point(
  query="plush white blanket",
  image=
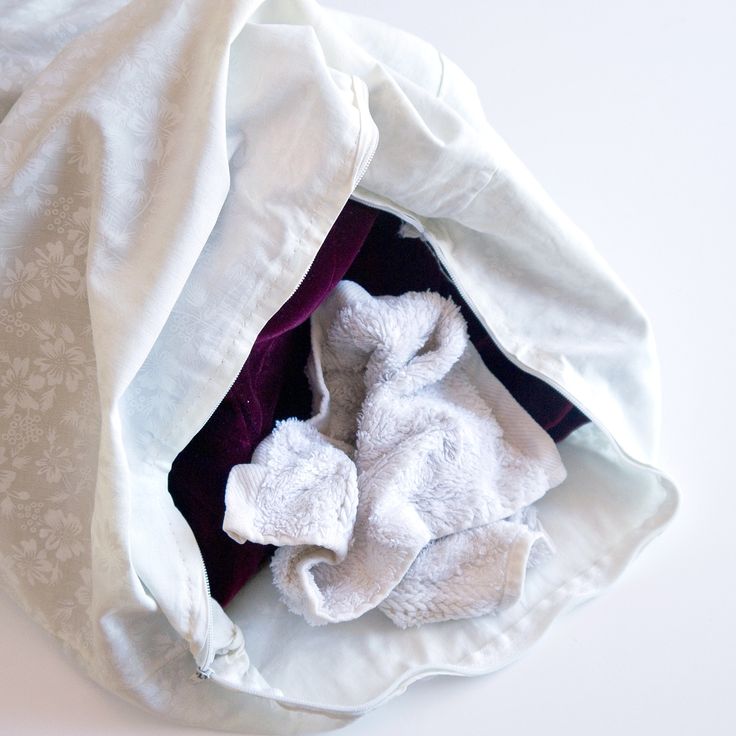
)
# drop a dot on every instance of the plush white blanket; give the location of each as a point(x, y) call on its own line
point(410, 487)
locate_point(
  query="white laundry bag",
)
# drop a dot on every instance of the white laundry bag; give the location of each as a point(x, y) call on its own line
point(168, 171)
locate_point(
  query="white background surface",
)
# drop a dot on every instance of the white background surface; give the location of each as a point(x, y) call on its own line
point(626, 112)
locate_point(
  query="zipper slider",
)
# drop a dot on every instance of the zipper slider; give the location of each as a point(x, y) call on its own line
point(203, 673)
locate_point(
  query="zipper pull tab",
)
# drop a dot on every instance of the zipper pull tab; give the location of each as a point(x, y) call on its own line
point(203, 673)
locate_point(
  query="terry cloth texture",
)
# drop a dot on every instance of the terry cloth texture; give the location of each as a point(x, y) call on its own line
point(365, 246)
point(412, 481)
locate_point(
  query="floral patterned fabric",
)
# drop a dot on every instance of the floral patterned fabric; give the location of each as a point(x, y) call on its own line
point(168, 172)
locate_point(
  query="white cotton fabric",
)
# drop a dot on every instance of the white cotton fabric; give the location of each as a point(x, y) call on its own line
point(400, 491)
point(168, 171)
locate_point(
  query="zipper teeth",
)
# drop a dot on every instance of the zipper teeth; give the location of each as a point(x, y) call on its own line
point(203, 671)
point(400, 686)
point(437, 250)
point(519, 363)
point(367, 126)
point(366, 164)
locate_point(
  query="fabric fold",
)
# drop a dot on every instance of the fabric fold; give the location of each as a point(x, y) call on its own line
point(470, 573)
point(298, 490)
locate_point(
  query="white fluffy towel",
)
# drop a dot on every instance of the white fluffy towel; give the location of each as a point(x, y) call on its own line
point(410, 487)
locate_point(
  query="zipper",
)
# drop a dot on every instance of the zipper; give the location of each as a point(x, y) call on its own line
point(400, 686)
point(368, 134)
point(437, 250)
point(369, 138)
point(365, 151)
point(203, 671)
point(366, 163)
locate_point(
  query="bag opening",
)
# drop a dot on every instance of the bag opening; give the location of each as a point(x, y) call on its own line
point(366, 246)
point(605, 510)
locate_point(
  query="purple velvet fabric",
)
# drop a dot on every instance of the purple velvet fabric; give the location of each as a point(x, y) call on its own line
point(270, 385)
point(363, 245)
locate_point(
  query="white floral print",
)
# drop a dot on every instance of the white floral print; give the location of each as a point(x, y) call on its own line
point(8, 160)
point(10, 497)
point(24, 428)
point(83, 594)
point(56, 269)
point(77, 230)
point(30, 563)
point(13, 323)
point(154, 122)
point(61, 363)
point(55, 461)
point(19, 384)
point(20, 284)
point(62, 534)
point(78, 155)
